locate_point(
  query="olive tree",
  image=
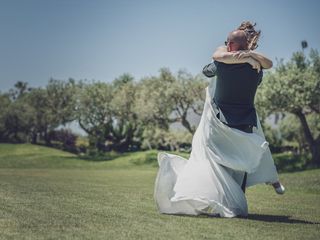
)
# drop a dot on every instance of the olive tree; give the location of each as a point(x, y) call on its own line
point(167, 99)
point(294, 87)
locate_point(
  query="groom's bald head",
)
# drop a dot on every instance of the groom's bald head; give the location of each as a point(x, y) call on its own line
point(237, 40)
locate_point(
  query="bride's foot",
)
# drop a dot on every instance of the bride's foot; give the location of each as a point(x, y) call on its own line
point(278, 187)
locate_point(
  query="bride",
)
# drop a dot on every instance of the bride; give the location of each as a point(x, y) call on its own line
point(208, 183)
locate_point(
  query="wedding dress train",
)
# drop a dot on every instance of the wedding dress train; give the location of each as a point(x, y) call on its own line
point(203, 184)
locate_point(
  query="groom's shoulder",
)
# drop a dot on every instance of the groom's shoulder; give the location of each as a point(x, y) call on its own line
point(220, 66)
point(228, 65)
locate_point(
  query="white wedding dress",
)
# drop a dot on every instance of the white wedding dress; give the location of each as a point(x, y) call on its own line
point(203, 184)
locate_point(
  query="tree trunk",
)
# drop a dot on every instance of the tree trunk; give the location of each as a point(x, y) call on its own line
point(314, 145)
point(149, 145)
point(186, 123)
point(34, 138)
point(47, 138)
point(315, 151)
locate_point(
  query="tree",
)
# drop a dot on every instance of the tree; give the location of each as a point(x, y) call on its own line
point(94, 112)
point(294, 87)
point(20, 88)
point(188, 97)
point(292, 132)
point(106, 112)
point(154, 104)
point(5, 102)
point(61, 101)
point(38, 101)
point(127, 128)
point(168, 99)
point(52, 106)
point(15, 114)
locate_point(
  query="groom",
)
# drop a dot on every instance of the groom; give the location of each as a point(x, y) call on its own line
point(236, 87)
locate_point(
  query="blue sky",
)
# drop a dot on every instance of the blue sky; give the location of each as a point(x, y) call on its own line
point(100, 40)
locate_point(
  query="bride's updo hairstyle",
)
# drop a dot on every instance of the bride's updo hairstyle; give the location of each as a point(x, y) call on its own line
point(251, 34)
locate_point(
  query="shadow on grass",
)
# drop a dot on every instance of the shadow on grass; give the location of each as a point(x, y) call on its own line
point(277, 218)
point(256, 217)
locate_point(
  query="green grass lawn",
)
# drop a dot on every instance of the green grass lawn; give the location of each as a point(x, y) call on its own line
point(49, 194)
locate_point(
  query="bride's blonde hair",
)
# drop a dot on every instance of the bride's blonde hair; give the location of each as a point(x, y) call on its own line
point(251, 34)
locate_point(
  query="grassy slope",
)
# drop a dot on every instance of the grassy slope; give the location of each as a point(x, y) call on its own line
point(45, 193)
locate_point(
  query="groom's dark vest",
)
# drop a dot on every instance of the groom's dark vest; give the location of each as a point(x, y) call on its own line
point(235, 91)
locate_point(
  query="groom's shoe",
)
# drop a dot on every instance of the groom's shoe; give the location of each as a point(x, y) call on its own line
point(278, 187)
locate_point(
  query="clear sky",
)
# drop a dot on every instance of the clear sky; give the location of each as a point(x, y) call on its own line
point(100, 40)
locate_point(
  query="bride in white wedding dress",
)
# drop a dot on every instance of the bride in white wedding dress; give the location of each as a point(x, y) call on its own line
point(202, 185)
point(207, 183)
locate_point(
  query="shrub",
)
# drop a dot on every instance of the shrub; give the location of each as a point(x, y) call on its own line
point(290, 161)
point(64, 139)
